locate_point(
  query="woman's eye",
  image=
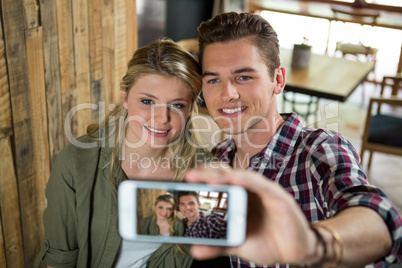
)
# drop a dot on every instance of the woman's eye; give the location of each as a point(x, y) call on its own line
point(177, 105)
point(147, 101)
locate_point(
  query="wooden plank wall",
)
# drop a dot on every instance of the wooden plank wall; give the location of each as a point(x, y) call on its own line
point(55, 56)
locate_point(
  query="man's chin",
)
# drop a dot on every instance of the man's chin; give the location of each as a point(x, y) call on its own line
point(231, 132)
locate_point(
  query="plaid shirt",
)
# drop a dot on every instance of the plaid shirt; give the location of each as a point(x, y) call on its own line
point(321, 169)
point(211, 226)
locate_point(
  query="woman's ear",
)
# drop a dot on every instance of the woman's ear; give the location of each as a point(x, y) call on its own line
point(124, 98)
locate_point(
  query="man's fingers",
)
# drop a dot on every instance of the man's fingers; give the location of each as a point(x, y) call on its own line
point(201, 252)
point(210, 176)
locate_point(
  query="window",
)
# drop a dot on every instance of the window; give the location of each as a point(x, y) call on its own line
point(392, 3)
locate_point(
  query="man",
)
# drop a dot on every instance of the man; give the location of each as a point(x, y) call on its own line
point(196, 224)
point(313, 205)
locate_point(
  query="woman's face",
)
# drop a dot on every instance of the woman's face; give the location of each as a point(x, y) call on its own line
point(163, 210)
point(158, 108)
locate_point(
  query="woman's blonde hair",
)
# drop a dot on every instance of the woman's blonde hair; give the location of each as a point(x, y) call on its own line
point(172, 219)
point(162, 57)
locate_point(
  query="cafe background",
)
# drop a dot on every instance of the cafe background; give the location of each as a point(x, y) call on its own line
point(55, 55)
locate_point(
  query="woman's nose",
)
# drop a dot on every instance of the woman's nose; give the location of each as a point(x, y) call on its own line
point(161, 114)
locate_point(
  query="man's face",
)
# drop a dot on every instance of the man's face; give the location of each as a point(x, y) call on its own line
point(237, 87)
point(189, 206)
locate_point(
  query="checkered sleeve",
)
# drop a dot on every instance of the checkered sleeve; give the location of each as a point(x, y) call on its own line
point(217, 226)
point(342, 184)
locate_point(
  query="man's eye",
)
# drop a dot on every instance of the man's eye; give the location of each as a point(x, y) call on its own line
point(244, 78)
point(213, 81)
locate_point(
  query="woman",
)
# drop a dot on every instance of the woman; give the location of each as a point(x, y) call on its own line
point(148, 136)
point(164, 221)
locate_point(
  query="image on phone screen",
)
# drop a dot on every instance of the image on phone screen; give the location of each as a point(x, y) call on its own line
point(182, 213)
point(199, 214)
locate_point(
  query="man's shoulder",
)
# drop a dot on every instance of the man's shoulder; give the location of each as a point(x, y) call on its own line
point(320, 136)
point(214, 217)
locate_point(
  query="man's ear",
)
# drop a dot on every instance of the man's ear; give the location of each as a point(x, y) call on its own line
point(280, 79)
point(123, 95)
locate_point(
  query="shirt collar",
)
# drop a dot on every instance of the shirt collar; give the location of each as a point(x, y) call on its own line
point(200, 218)
point(280, 145)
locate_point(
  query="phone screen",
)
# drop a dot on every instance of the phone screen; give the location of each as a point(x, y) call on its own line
point(182, 213)
point(196, 214)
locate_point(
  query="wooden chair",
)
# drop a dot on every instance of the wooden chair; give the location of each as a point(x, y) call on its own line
point(370, 53)
point(382, 132)
point(359, 51)
point(396, 83)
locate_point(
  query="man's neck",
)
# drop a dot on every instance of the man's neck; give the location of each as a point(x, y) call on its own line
point(192, 219)
point(250, 143)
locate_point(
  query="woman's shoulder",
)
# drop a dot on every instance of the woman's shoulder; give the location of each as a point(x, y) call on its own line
point(91, 142)
point(79, 148)
point(147, 219)
point(80, 155)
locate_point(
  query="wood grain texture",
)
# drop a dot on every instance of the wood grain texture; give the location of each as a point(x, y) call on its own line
point(66, 45)
point(22, 123)
point(132, 29)
point(107, 50)
point(5, 107)
point(54, 55)
point(52, 76)
point(81, 55)
point(95, 39)
point(95, 55)
point(9, 208)
point(36, 75)
point(98, 114)
point(120, 47)
point(31, 14)
point(3, 262)
point(70, 123)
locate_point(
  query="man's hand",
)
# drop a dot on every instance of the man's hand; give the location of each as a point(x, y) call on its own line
point(277, 230)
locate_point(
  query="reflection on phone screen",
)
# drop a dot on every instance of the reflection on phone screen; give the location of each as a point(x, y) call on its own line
point(195, 214)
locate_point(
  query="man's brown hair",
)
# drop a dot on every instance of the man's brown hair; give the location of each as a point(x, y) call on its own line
point(233, 26)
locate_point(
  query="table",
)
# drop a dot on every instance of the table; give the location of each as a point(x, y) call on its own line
point(326, 77)
point(387, 19)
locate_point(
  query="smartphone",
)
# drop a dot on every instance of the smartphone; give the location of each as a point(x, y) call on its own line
point(225, 206)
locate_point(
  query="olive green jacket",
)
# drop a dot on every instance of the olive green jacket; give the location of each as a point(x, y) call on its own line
point(148, 226)
point(81, 215)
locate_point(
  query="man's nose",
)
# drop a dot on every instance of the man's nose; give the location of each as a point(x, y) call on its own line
point(229, 92)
